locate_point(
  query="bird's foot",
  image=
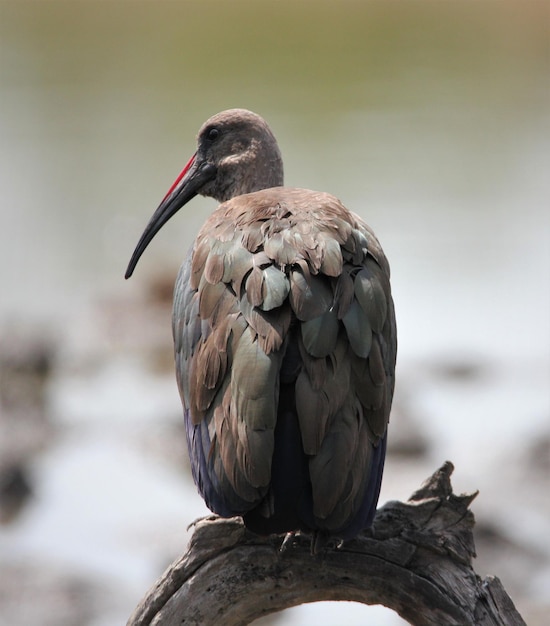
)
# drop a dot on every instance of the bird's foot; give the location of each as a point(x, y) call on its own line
point(319, 541)
point(291, 538)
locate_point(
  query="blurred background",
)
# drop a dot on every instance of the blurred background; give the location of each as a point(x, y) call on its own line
point(429, 119)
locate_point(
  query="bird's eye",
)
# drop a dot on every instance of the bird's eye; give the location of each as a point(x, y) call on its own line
point(212, 134)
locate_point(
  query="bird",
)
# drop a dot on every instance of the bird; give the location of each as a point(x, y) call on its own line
point(284, 340)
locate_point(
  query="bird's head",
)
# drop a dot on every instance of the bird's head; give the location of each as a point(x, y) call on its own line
point(236, 154)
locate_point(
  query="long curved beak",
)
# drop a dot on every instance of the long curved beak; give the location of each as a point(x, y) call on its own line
point(186, 186)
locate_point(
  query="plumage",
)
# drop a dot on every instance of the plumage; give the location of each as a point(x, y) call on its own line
point(358, 329)
point(285, 340)
point(319, 334)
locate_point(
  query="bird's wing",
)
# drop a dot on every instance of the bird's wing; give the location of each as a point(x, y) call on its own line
point(227, 380)
point(344, 390)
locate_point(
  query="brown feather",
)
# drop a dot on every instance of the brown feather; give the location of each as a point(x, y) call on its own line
point(214, 266)
point(343, 292)
point(254, 389)
point(331, 264)
point(309, 296)
point(358, 330)
point(237, 262)
point(253, 287)
point(312, 407)
point(376, 364)
point(319, 334)
point(316, 406)
point(275, 288)
point(316, 368)
point(370, 295)
point(226, 469)
point(200, 254)
point(252, 238)
point(330, 467)
point(209, 295)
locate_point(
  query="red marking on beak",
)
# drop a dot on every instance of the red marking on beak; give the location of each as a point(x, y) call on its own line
point(180, 176)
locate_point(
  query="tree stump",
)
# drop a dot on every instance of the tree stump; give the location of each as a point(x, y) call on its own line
point(416, 559)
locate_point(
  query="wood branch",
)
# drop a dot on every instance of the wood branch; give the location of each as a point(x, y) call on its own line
point(416, 559)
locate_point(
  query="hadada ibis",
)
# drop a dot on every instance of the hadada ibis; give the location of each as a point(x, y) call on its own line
point(285, 340)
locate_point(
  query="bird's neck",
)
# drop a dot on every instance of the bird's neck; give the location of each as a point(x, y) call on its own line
point(259, 167)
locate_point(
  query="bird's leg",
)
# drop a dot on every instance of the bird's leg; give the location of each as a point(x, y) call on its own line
point(321, 541)
point(318, 542)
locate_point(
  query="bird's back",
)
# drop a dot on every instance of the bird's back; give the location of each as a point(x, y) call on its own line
point(285, 345)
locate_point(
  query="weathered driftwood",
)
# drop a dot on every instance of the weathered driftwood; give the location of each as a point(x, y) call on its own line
point(416, 560)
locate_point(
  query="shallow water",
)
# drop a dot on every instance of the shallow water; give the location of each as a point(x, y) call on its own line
point(430, 120)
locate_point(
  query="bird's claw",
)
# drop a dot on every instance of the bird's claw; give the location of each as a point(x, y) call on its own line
point(289, 540)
